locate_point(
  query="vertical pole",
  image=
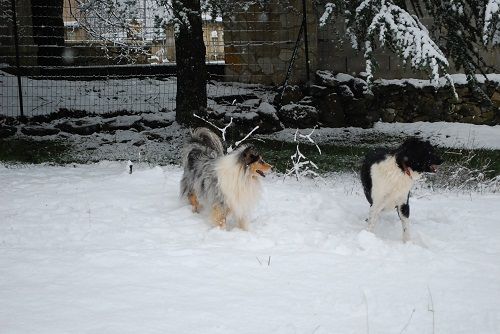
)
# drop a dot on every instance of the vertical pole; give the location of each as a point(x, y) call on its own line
point(144, 23)
point(16, 44)
point(306, 42)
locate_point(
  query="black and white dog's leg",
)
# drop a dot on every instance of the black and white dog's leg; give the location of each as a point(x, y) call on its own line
point(404, 216)
point(373, 217)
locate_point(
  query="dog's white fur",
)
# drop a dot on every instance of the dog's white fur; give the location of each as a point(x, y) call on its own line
point(390, 188)
point(241, 190)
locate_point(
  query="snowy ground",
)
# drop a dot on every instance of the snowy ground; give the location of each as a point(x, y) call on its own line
point(443, 134)
point(92, 249)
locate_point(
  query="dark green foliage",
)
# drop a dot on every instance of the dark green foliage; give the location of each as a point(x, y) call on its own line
point(33, 151)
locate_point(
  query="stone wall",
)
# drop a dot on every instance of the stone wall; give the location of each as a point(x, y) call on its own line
point(338, 100)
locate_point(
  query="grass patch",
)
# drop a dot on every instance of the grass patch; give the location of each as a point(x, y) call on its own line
point(33, 151)
point(348, 158)
point(332, 158)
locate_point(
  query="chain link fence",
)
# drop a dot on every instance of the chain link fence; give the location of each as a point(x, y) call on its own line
point(74, 55)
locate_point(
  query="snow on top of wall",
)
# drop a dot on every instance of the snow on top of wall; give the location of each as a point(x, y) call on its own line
point(458, 79)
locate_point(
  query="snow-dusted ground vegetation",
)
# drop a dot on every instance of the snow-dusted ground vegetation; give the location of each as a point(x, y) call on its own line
point(94, 249)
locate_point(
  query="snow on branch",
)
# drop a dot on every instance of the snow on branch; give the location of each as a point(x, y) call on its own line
point(230, 148)
point(491, 28)
point(223, 132)
point(404, 33)
point(301, 166)
point(329, 8)
point(308, 137)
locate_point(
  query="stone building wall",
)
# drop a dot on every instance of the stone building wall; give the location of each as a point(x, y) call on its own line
point(25, 32)
point(259, 40)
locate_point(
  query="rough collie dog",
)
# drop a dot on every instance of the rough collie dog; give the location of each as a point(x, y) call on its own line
point(388, 175)
point(223, 184)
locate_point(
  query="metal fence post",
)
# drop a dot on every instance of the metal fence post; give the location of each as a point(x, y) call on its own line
point(18, 67)
point(306, 42)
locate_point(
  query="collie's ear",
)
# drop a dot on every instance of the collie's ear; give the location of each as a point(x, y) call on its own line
point(249, 155)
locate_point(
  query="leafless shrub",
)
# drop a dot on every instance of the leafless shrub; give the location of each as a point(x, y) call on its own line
point(462, 175)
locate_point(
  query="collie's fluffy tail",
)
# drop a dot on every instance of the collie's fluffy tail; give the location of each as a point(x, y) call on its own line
point(202, 147)
point(203, 142)
point(207, 138)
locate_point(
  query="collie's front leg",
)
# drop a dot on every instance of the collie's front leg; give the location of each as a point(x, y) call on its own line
point(243, 223)
point(218, 216)
point(195, 205)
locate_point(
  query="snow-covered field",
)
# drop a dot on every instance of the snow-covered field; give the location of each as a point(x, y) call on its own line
point(93, 249)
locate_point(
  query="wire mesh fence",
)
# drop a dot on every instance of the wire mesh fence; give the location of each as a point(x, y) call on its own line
point(84, 55)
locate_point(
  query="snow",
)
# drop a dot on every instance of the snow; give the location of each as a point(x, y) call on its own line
point(408, 36)
point(93, 249)
point(491, 28)
point(458, 79)
point(443, 134)
point(452, 135)
point(329, 8)
point(42, 97)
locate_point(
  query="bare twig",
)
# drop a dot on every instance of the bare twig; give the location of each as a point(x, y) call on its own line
point(367, 317)
point(222, 130)
point(430, 308)
point(300, 165)
point(308, 137)
point(408, 323)
point(240, 141)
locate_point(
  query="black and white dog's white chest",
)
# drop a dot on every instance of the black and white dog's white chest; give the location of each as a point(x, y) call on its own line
point(390, 185)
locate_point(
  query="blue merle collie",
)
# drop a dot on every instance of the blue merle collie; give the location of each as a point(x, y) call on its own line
point(388, 175)
point(223, 184)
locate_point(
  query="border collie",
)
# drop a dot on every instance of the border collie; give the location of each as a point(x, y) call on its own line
point(388, 175)
point(223, 184)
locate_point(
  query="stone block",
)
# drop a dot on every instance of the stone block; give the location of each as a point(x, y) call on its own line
point(39, 130)
point(7, 131)
point(298, 116)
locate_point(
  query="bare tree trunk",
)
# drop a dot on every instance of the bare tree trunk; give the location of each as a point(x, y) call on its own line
point(48, 31)
point(190, 58)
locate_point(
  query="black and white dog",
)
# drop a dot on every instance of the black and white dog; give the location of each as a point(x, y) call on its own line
point(388, 175)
